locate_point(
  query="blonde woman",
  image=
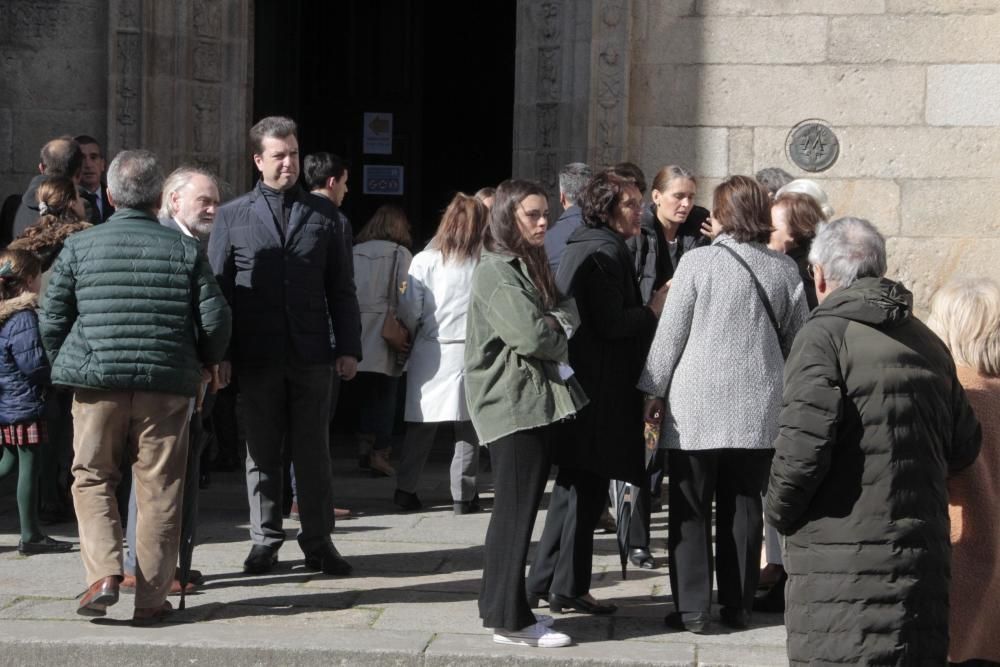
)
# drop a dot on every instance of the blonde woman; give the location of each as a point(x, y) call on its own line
point(965, 313)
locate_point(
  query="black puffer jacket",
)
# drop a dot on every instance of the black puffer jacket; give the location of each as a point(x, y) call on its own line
point(874, 421)
point(606, 353)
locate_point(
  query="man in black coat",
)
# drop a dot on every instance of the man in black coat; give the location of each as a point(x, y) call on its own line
point(279, 257)
point(59, 157)
point(92, 187)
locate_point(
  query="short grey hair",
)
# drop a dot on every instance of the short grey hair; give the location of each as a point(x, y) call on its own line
point(773, 179)
point(848, 249)
point(573, 179)
point(178, 180)
point(135, 180)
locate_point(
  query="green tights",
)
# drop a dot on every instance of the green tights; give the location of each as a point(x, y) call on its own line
point(27, 487)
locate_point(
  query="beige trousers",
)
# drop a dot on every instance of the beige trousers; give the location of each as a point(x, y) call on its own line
point(151, 430)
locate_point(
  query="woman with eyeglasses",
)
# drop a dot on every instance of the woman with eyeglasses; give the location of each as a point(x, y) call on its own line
point(605, 441)
point(518, 386)
point(713, 379)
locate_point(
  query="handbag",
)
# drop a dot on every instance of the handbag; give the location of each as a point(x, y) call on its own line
point(393, 332)
point(763, 297)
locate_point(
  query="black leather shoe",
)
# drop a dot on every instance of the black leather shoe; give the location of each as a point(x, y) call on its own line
point(773, 601)
point(329, 561)
point(642, 558)
point(406, 501)
point(557, 603)
point(468, 506)
point(698, 623)
point(735, 617)
point(46, 545)
point(261, 560)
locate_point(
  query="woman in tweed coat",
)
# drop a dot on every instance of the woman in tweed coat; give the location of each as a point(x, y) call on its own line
point(714, 378)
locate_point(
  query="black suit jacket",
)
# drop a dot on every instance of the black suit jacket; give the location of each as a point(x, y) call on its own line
point(286, 291)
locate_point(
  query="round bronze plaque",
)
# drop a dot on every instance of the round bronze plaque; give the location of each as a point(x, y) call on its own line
point(812, 146)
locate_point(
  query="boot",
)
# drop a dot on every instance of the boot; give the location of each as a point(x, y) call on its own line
point(380, 463)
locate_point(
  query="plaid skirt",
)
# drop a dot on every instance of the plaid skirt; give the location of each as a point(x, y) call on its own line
point(24, 434)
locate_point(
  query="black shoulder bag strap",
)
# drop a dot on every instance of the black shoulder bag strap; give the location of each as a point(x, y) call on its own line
point(761, 293)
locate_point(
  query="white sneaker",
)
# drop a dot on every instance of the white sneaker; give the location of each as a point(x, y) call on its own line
point(533, 635)
point(544, 619)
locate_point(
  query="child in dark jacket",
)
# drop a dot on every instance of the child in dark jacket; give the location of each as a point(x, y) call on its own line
point(24, 374)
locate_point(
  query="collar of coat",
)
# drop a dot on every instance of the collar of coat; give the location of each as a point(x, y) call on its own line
point(133, 214)
point(24, 301)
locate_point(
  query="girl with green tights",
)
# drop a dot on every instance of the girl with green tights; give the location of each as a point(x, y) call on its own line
point(24, 374)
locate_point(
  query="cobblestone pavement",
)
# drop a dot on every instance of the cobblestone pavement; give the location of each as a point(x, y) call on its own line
point(411, 600)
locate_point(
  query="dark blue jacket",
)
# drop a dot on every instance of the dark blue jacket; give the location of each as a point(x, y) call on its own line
point(558, 234)
point(286, 289)
point(24, 368)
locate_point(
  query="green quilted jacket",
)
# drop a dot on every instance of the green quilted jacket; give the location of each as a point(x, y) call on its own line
point(133, 306)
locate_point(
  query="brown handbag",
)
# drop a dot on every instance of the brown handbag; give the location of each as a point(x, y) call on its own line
point(393, 332)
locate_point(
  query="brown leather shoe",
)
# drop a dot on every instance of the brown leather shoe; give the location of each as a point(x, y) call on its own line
point(102, 594)
point(128, 586)
point(144, 616)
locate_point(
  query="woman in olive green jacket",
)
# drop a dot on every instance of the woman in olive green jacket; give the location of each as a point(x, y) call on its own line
point(518, 386)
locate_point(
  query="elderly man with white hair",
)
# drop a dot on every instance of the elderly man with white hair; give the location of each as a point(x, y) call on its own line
point(873, 422)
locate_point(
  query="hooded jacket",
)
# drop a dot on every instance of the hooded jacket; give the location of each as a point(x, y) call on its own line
point(24, 369)
point(874, 420)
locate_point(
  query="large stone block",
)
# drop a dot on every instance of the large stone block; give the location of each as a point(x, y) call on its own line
point(755, 95)
point(60, 79)
point(942, 6)
point(877, 201)
point(740, 151)
point(792, 39)
point(703, 149)
point(786, 7)
point(951, 208)
point(924, 264)
point(896, 152)
point(915, 38)
point(39, 24)
point(963, 95)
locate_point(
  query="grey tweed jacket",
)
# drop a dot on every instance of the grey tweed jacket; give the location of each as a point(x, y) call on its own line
point(716, 358)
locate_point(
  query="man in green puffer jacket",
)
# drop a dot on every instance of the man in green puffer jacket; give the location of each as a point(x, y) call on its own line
point(131, 317)
point(873, 423)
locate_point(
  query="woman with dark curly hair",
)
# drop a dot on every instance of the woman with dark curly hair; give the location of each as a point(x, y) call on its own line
point(605, 441)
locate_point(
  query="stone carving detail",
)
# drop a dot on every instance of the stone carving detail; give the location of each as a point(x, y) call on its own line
point(548, 126)
point(548, 73)
point(206, 119)
point(608, 108)
point(33, 20)
point(207, 18)
point(813, 146)
point(550, 21)
point(128, 106)
point(547, 170)
point(208, 61)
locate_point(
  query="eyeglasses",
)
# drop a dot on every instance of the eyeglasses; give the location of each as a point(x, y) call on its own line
point(811, 270)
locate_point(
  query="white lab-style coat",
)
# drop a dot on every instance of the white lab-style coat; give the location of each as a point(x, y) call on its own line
point(433, 308)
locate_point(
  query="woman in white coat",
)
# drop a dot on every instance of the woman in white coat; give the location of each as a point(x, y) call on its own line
point(433, 309)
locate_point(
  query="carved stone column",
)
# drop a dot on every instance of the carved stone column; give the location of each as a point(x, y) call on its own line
point(608, 133)
point(180, 82)
point(552, 88)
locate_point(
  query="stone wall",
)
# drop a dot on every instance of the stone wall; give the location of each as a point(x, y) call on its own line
point(910, 87)
point(53, 63)
point(173, 77)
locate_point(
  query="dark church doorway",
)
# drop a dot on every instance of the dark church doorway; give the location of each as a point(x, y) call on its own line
point(443, 69)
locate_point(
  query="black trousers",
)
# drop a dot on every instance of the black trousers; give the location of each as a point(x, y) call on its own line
point(734, 478)
point(520, 469)
point(639, 529)
point(565, 555)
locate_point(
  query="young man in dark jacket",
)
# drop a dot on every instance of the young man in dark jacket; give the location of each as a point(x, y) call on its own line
point(874, 421)
point(280, 258)
point(130, 318)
